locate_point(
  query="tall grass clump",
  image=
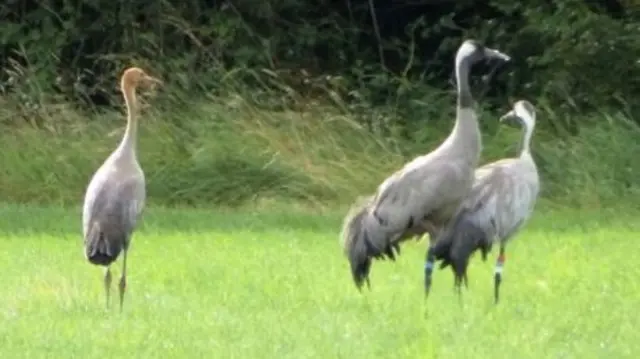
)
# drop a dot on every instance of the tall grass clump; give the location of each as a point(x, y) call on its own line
point(231, 150)
point(214, 150)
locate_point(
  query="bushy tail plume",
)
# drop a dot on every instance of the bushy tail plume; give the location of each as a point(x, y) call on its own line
point(362, 239)
point(102, 248)
point(457, 243)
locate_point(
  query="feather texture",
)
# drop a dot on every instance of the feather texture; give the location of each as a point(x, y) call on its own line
point(420, 197)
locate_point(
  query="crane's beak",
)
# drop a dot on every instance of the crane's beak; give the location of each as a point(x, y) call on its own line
point(152, 81)
point(507, 116)
point(490, 55)
point(495, 54)
point(511, 118)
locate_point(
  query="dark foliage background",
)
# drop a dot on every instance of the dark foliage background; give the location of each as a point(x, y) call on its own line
point(578, 54)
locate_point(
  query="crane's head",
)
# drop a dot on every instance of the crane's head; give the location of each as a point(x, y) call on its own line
point(524, 112)
point(135, 77)
point(472, 51)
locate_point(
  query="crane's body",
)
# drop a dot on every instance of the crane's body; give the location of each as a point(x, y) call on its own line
point(116, 194)
point(423, 195)
point(112, 206)
point(499, 204)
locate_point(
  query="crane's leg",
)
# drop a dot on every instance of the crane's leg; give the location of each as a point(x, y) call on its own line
point(498, 272)
point(428, 270)
point(123, 278)
point(431, 258)
point(107, 284)
point(457, 286)
point(429, 264)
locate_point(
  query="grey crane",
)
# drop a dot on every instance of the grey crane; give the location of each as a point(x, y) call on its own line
point(501, 201)
point(422, 195)
point(115, 197)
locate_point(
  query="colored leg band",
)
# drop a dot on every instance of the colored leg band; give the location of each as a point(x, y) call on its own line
point(498, 268)
point(428, 266)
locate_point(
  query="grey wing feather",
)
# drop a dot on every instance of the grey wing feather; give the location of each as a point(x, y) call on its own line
point(112, 215)
point(374, 226)
point(503, 197)
point(415, 192)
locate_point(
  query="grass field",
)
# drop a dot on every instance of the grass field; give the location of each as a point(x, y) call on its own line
point(275, 285)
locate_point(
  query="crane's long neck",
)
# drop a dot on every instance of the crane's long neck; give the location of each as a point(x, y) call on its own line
point(466, 129)
point(526, 136)
point(129, 140)
point(465, 99)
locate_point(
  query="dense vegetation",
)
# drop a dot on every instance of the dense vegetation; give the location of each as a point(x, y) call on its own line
point(314, 101)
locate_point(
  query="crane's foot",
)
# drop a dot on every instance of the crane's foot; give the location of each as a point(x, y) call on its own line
point(107, 285)
point(121, 289)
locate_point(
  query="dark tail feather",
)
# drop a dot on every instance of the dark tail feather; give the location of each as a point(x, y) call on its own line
point(458, 242)
point(101, 249)
point(358, 245)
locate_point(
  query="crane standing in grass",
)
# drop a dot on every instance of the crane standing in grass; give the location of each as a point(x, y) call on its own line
point(501, 201)
point(116, 194)
point(423, 195)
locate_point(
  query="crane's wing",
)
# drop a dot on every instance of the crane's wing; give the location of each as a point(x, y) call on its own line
point(119, 203)
point(374, 226)
point(501, 198)
point(499, 202)
point(112, 210)
point(420, 187)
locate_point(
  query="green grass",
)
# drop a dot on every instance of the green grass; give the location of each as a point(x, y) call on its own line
point(274, 284)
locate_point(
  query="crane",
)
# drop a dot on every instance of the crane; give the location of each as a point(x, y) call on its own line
point(115, 197)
